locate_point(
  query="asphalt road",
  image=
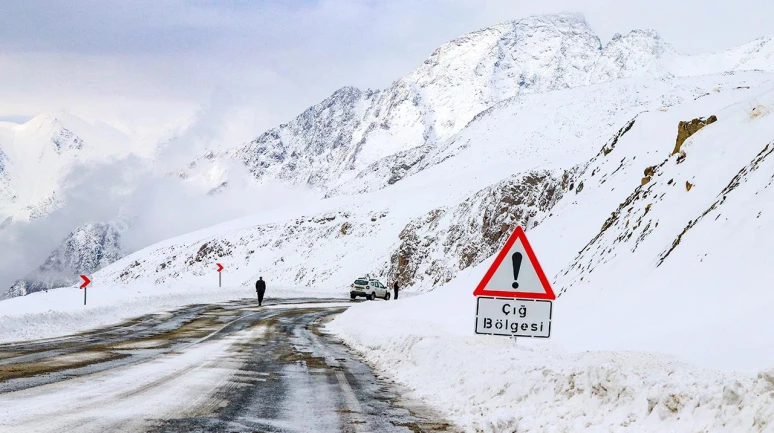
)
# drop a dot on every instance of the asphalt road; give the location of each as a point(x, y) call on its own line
point(232, 367)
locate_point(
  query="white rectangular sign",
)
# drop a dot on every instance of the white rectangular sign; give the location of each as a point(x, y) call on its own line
point(513, 317)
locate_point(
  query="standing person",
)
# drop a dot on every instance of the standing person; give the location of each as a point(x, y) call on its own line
point(260, 289)
point(395, 287)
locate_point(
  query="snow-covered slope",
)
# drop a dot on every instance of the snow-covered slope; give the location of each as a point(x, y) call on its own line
point(756, 55)
point(434, 247)
point(438, 221)
point(691, 236)
point(38, 155)
point(329, 249)
point(350, 133)
point(662, 322)
point(531, 128)
point(87, 249)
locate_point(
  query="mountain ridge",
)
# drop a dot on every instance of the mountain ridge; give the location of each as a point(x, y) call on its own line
point(459, 80)
point(438, 222)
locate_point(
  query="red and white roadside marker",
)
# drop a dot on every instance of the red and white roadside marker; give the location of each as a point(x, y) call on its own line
point(220, 268)
point(86, 282)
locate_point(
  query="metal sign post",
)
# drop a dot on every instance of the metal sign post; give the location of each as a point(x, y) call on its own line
point(86, 282)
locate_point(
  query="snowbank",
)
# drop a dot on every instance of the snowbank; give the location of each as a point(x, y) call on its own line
point(663, 322)
point(493, 384)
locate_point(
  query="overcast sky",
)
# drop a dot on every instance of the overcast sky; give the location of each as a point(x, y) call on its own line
point(257, 63)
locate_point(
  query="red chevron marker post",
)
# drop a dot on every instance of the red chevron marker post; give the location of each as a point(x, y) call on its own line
point(86, 282)
point(220, 268)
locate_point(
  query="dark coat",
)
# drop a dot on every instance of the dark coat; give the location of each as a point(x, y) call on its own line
point(260, 286)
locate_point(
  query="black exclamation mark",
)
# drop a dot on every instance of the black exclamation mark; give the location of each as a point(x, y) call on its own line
point(516, 258)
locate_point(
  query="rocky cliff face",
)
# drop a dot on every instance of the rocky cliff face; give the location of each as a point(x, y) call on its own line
point(303, 150)
point(86, 250)
point(7, 195)
point(687, 129)
point(65, 140)
point(436, 246)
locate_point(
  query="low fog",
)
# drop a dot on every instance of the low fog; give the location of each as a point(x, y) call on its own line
point(149, 196)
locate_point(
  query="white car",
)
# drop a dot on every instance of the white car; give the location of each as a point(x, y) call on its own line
point(370, 288)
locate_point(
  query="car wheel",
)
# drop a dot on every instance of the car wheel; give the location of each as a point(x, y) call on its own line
point(352, 297)
point(387, 296)
point(371, 296)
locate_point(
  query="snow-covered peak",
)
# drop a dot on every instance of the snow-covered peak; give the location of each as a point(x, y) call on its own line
point(39, 154)
point(470, 73)
point(644, 41)
point(48, 119)
point(542, 28)
point(338, 139)
point(640, 53)
point(758, 54)
point(40, 139)
point(101, 138)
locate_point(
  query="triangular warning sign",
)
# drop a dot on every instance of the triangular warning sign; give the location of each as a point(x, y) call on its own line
point(515, 272)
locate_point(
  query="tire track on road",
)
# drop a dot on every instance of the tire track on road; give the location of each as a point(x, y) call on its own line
point(268, 370)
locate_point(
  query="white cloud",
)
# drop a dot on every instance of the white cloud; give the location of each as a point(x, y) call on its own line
point(151, 62)
point(157, 207)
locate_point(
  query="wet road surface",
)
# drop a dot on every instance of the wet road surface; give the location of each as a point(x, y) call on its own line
point(232, 367)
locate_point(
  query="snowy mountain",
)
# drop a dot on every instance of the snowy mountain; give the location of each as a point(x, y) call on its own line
point(342, 139)
point(650, 218)
point(660, 256)
point(688, 223)
point(86, 250)
point(515, 129)
point(494, 104)
point(38, 155)
point(511, 165)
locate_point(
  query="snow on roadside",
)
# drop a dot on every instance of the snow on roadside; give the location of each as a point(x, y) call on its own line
point(493, 384)
point(61, 312)
point(635, 346)
point(131, 398)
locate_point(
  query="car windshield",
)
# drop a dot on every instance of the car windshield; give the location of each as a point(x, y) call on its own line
point(361, 282)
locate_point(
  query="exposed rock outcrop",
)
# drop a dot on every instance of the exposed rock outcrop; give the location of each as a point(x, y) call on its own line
point(435, 247)
point(687, 129)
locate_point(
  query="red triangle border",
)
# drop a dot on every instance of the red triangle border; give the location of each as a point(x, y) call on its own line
point(517, 234)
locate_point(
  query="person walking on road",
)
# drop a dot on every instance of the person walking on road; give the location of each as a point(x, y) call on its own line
point(395, 287)
point(260, 289)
